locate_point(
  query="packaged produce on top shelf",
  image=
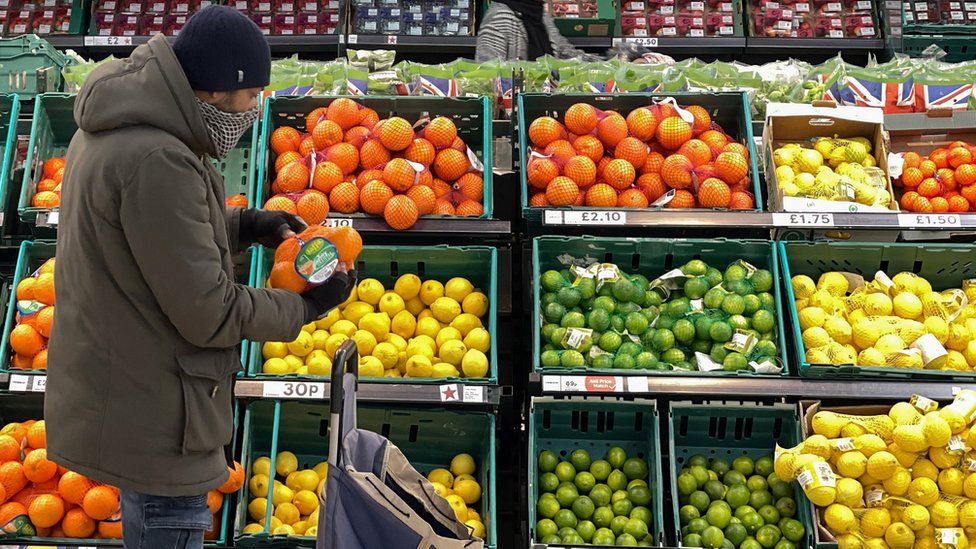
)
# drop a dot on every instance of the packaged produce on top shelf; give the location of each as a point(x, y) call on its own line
point(426, 18)
point(43, 17)
point(945, 12)
point(572, 9)
point(291, 17)
point(142, 17)
point(941, 181)
point(679, 18)
point(813, 19)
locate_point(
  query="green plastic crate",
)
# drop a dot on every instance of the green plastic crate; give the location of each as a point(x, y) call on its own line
point(479, 264)
point(728, 109)
point(429, 438)
point(30, 65)
point(729, 430)
point(943, 265)
point(607, 18)
point(652, 258)
point(54, 125)
point(470, 114)
point(596, 426)
point(958, 48)
point(9, 113)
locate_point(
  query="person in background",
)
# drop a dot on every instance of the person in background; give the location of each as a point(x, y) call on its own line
point(149, 317)
point(520, 30)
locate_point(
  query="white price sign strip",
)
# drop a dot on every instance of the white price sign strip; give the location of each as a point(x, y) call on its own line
point(929, 220)
point(338, 222)
point(294, 389)
point(584, 217)
point(108, 40)
point(594, 384)
point(803, 219)
point(24, 383)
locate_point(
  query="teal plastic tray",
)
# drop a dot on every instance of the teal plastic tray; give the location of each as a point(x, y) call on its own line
point(596, 426)
point(652, 257)
point(30, 65)
point(470, 114)
point(730, 430)
point(958, 48)
point(479, 264)
point(9, 113)
point(943, 265)
point(728, 109)
point(54, 125)
point(429, 438)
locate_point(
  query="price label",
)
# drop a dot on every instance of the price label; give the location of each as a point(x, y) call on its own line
point(937, 221)
point(970, 6)
point(595, 217)
point(473, 393)
point(338, 222)
point(863, 5)
point(353, 38)
point(571, 384)
point(552, 217)
point(637, 384)
point(650, 42)
point(39, 384)
point(802, 7)
point(834, 6)
point(108, 40)
point(956, 15)
point(392, 39)
point(48, 219)
point(294, 389)
point(19, 383)
point(697, 6)
point(549, 383)
point(803, 219)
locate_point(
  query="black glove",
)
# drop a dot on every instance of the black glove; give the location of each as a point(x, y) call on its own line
point(267, 227)
point(327, 296)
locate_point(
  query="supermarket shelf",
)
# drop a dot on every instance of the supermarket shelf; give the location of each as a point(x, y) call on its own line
point(453, 227)
point(591, 42)
point(123, 44)
point(438, 44)
point(808, 45)
point(687, 43)
point(64, 42)
point(448, 393)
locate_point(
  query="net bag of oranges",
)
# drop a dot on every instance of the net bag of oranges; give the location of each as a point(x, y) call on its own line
point(313, 256)
point(35, 318)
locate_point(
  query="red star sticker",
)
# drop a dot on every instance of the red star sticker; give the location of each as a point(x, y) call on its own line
point(450, 393)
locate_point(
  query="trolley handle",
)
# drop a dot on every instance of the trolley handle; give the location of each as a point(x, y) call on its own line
point(346, 360)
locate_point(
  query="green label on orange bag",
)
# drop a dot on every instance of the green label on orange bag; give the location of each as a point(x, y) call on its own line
point(317, 259)
point(19, 526)
point(27, 307)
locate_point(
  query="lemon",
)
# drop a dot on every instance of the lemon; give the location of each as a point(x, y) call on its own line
point(355, 311)
point(944, 514)
point(257, 508)
point(275, 523)
point(321, 469)
point(387, 353)
point(903, 413)
point(419, 366)
point(852, 464)
point(833, 282)
point(261, 466)
point(907, 305)
point(803, 286)
point(302, 345)
point(815, 337)
point(465, 322)
point(447, 334)
point(811, 317)
point(258, 485)
point(849, 541)
point(407, 286)
point(905, 459)
point(370, 366)
point(425, 314)
point(817, 356)
point(443, 369)
point(294, 362)
point(282, 494)
point(869, 444)
point(415, 306)
point(445, 309)
point(817, 445)
point(332, 344)
point(430, 291)
point(923, 468)
point(418, 346)
point(344, 327)
point(286, 463)
point(302, 370)
point(828, 424)
point(849, 493)
point(852, 430)
point(821, 496)
point(967, 514)
point(938, 328)
point(329, 319)
point(936, 430)
point(823, 299)
point(897, 484)
point(910, 438)
point(460, 509)
point(951, 481)
point(882, 465)
point(468, 490)
point(915, 516)
point(890, 343)
point(300, 527)
point(458, 288)
point(441, 490)
point(310, 327)
point(391, 304)
point(956, 361)
point(365, 341)
point(899, 536)
point(287, 513)
point(473, 515)
point(838, 329)
point(942, 458)
point(870, 357)
point(253, 528)
point(452, 352)
point(474, 364)
point(377, 324)
point(319, 363)
point(428, 327)
point(312, 531)
point(274, 349)
point(463, 464)
point(875, 521)
point(877, 304)
point(923, 491)
point(319, 337)
point(969, 486)
point(392, 372)
point(856, 315)
point(479, 339)
point(283, 530)
point(443, 476)
point(403, 324)
point(475, 303)
point(370, 290)
point(275, 366)
point(476, 528)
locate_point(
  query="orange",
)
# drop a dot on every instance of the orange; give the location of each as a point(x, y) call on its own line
point(444, 207)
point(101, 502)
point(611, 130)
point(110, 529)
point(947, 177)
point(58, 176)
point(357, 135)
point(742, 201)
point(469, 208)
point(46, 510)
point(235, 479)
point(423, 197)
point(908, 200)
point(368, 117)
point(425, 178)
point(25, 289)
point(365, 176)
point(958, 204)
point(632, 150)
point(43, 322)
point(652, 186)
point(619, 173)
point(580, 118)
point(929, 188)
point(9, 449)
point(642, 123)
point(293, 177)
point(673, 132)
point(312, 207)
point(374, 196)
point(285, 139)
point(632, 198)
point(911, 159)
point(940, 205)
point(738, 148)
point(326, 176)
point(560, 151)
point(966, 174)
point(284, 276)
point(73, 487)
point(344, 112)
point(400, 212)
point(12, 477)
point(314, 117)
point(287, 250)
point(580, 169)
point(395, 133)
point(731, 167)
point(912, 177)
point(10, 511)
point(420, 151)
point(969, 193)
point(19, 362)
point(348, 243)
point(46, 267)
point(307, 147)
point(459, 144)
point(373, 154)
point(77, 524)
point(714, 193)
point(562, 191)
point(46, 200)
point(697, 151)
point(940, 157)
point(281, 203)
point(344, 198)
point(236, 201)
point(450, 164)
point(400, 175)
point(545, 130)
point(702, 119)
point(538, 200)
point(214, 501)
point(39, 362)
point(927, 167)
point(37, 468)
point(923, 205)
point(51, 167)
point(441, 132)
point(676, 171)
point(473, 187)
point(601, 195)
point(326, 134)
point(715, 140)
point(589, 146)
point(343, 155)
point(16, 430)
point(681, 199)
point(47, 185)
point(44, 288)
point(25, 340)
point(653, 163)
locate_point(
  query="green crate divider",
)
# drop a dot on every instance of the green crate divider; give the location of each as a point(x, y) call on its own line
point(729, 430)
point(479, 264)
point(653, 257)
point(31, 65)
point(9, 113)
point(944, 265)
point(428, 437)
point(596, 426)
point(728, 109)
point(958, 48)
point(54, 125)
point(470, 114)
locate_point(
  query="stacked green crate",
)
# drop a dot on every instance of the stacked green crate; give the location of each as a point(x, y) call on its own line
point(9, 113)
point(30, 65)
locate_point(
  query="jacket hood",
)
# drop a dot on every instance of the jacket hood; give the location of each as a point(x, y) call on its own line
point(148, 88)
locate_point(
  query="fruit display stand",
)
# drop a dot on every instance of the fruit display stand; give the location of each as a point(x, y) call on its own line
point(596, 426)
point(429, 438)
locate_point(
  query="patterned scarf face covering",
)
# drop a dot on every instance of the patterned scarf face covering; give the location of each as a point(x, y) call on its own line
point(226, 128)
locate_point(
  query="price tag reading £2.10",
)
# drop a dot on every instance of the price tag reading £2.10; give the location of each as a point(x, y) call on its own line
point(595, 218)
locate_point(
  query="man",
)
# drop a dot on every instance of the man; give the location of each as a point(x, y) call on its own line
point(149, 317)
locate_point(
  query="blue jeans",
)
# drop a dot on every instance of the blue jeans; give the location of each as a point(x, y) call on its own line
point(158, 522)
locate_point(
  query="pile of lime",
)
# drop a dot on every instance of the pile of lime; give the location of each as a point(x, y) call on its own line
point(739, 506)
point(700, 318)
point(601, 502)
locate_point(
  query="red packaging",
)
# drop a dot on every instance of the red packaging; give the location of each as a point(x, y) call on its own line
point(133, 6)
point(632, 23)
point(285, 6)
point(662, 25)
point(691, 24)
point(6, 5)
point(719, 24)
point(285, 24)
point(263, 20)
point(156, 6)
point(258, 6)
point(104, 23)
point(565, 9)
point(19, 22)
point(175, 24)
point(329, 18)
point(859, 5)
point(308, 24)
point(240, 5)
point(126, 24)
point(308, 5)
point(44, 22)
point(828, 26)
point(153, 23)
point(859, 26)
point(185, 6)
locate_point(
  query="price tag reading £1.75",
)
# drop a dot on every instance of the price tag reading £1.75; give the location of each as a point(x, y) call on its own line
point(803, 219)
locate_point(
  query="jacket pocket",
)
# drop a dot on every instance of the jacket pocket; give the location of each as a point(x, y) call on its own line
point(207, 378)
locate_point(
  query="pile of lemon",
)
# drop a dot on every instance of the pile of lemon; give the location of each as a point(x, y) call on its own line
point(294, 502)
point(414, 329)
point(901, 480)
point(458, 486)
point(898, 322)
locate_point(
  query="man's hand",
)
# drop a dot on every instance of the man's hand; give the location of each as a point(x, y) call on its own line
point(323, 298)
point(268, 227)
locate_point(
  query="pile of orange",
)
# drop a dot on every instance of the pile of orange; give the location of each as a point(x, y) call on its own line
point(284, 273)
point(348, 161)
point(35, 318)
point(943, 181)
point(659, 155)
point(60, 503)
point(48, 193)
point(236, 201)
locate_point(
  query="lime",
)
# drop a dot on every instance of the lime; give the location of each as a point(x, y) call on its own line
point(769, 514)
point(715, 490)
point(684, 331)
point(600, 469)
point(652, 298)
point(616, 456)
point(697, 459)
point(642, 513)
point(702, 324)
point(636, 323)
point(701, 346)
point(552, 281)
point(735, 271)
point(606, 303)
point(712, 475)
point(712, 537)
point(739, 287)
point(602, 516)
point(600, 494)
point(697, 525)
point(568, 296)
point(719, 466)
point(572, 359)
point(756, 482)
point(640, 281)
point(764, 466)
point(547, 298)
point(583, 507)
point(765, 348)
point(603, 361)
point(639, 495)
point(750, 544)
point(713, 298)
point(565, 519)
point(623, 362)
point(565, 532)
point(551, 539)
point(743, 511)
point(609, 341)
point(547, 330)
point(586, 529)
point(699, 500)
point(549, 359)
point(700, 474)
point(737, 496)
point(717, 515)
point(733, 478)
point(573, 319)
point(779, 487)
point(617, 524)
point(673, 356)
point(545, 527)
point(557, 337)
point(762, 280)
point(547, 507)
point(753, 522)
point(635, 468)
point(733, 304)
point(553, 312)
point(617, 323)
point(622, 507)
point(735, 533)
point(587, 288)
point(580, 459)
point(763, 321)
point(784, 544)
point(584, 482)
point(718, 352)
point(744, 465)
point(565, 471)
point(566, 494)
point(761, 498)
point(713, 276)
point(767, 301)
point(617, 480)
point(786, 507)
point(720, 331)
point(792, 530)
point(646, 360)
point(734, 362)
point(636, 528)
point(548, 482)
point(625, 290)
point(752, 303)
point(664, 322)
point(626, 308)
point(686, 484)
point(768, 536)
point(679, 307)
point(604, 536)
point(692, 540)
point(738, 322)
point(695, 267)
point(696, 287)
point(598, 319)
point(548, 461)
point(626, 540)
point(629, 348)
